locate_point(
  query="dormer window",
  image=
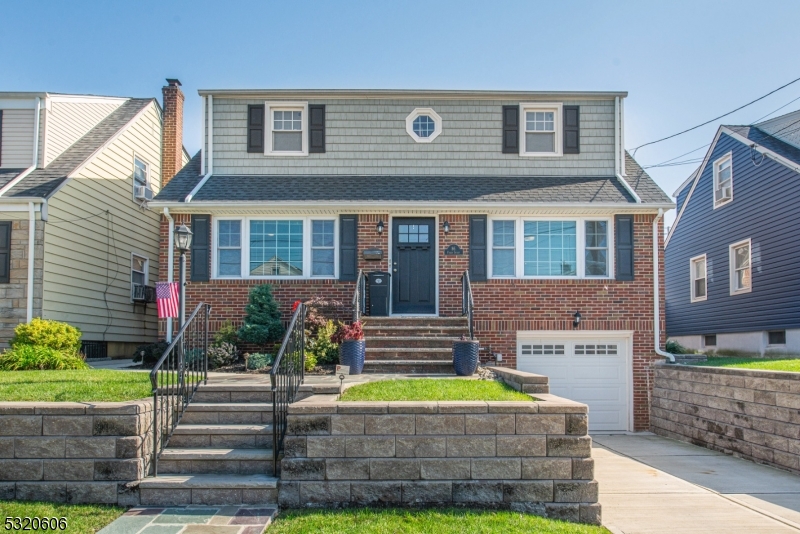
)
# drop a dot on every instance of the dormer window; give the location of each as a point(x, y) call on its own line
point(423, 125)
point(723, 180)
point(540, 134)
point(287, 129)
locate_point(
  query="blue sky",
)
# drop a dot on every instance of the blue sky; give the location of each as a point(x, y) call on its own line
point(682, 62)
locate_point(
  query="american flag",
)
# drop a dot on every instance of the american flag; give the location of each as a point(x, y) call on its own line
point(167, 299)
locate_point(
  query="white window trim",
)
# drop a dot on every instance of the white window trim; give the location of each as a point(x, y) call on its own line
point(437, 120)
point(692, 279)
point(558, 108)
point(732, 266)
point(146, 269)
point(285, 106)
point(245, 260)
point(715, 166)
point(147, 179)
point(580, 245)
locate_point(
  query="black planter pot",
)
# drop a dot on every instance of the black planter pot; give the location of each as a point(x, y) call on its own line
point(465, 357)
point(352, 353)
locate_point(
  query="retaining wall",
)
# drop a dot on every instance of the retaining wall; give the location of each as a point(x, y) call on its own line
point(746, 413)
point(75, 452)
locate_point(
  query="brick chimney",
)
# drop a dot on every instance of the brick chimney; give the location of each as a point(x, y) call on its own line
point(172, 136)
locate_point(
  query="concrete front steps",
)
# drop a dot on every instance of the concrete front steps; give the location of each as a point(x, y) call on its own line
point(221, 451)
point(412, 344)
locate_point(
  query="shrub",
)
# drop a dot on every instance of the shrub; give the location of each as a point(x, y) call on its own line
point(321, 347)
point(46, 333)
point(673, 347)
point(257, 360)
point(149, 353)
point(262, 324)
point(353, 332)
point(24, 357)
point(311, 361)
point(319, 313)
point(221, 355)
point(227, 333)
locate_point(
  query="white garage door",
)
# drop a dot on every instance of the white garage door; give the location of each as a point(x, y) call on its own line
point(590, 369)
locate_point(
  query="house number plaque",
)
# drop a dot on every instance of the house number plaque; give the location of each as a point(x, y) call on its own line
point(453, 250)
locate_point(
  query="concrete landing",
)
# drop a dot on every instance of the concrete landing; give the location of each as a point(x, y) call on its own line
point(194, 520)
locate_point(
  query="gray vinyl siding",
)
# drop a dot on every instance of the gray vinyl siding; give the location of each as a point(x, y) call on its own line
point(764, 209)
point(69, 121)
point(94, 226)
point(17, 143)
point(368, 137)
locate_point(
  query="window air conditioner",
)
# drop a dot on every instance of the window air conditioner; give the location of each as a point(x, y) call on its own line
point(142, 192)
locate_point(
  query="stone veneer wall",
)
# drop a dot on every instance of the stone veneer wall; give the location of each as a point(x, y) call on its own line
point(528, 456)
point(747, 413)
point(75, 452)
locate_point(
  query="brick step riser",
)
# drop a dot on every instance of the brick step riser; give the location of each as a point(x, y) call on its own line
point(409, 369)
point(430, 323)
point(215, 467)
point(206, 496)
point(220, 441)
point(400, 356)
point(417, 343)
point(413, 332)
point(211, 395)
point(226, 418)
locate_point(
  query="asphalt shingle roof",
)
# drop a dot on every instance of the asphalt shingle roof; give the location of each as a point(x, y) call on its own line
point(44, 182)
point(6, 175)
point(310, 188)
point(768, 141)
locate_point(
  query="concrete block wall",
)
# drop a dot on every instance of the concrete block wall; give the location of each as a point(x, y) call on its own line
point(746, 413)
point(528, 456)
point(75, 452)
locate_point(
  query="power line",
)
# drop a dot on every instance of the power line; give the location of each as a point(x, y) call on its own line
point(780, 108)
point(716, 118)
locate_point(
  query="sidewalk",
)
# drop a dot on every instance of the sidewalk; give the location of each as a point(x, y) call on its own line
point(650, 484)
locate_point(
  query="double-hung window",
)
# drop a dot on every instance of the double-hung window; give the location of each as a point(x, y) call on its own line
point(140, 172)
point(229, 248)
point(740, 267)
point(723, 180)
point(551, 248)
point(540, 134)
point(287, 129)
point(699, 278)
point(322, 248)
point(139, 266)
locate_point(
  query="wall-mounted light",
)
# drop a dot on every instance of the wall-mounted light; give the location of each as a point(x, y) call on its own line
point(576, 319)
point(446, 227)
point(379, 227)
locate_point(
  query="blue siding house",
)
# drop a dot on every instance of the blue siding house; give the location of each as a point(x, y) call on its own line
point(732, 258)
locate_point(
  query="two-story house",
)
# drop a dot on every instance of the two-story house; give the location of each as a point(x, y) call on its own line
point(77, 242)
point(531, 193)
point(732, 283)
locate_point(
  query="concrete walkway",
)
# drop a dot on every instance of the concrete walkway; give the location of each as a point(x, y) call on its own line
point(650, 484)
point(193, 520)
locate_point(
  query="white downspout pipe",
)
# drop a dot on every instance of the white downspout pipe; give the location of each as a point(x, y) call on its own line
point(31, 258)
point(616, 136)
point(209, 169)
point(656, 299)
point(170, 264)
point(203, 135)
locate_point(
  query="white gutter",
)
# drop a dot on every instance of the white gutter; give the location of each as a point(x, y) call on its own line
point(31, 258)
point(170, 264)
point(203, 135)
point(616, 136)
point(271, 205)
point(656, 296)
point(205, 178)
point(36, 117)
point(622, 137)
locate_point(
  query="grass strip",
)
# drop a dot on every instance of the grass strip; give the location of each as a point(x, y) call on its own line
point(81, 518)
point(765, 364)
point(433, 389)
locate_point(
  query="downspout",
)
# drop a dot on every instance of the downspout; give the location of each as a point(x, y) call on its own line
point(656, 299)
point(210, 167)
point(31, 258)
point(203, 139)
point(616, 136)
point(170, 265)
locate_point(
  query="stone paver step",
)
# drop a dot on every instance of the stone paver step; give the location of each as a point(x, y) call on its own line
point(210, 489)
point(402, 354)
point(211, 429)
point(227, 413)
point(444, 342)
point(409, 366)
point(229, 407)
point(209, 481)
point(200, 453)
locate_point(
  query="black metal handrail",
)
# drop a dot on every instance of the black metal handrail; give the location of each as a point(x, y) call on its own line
point(467, 303)
point(359, 296)
point(177, 375)
point(285, 377)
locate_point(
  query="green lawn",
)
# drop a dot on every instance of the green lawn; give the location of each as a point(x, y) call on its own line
point(77, 386)
point(782, 364)
point(81, 518)
point(427, 521)
point(433, 389)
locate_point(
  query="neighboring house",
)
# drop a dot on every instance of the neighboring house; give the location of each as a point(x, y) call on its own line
point(733, 281)
point(531, 192)
point(81, 168)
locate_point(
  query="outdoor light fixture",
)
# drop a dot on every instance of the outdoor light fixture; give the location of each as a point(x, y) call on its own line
point(183, 239)
point(576, 321)
point(379, 228)
point(446, 227)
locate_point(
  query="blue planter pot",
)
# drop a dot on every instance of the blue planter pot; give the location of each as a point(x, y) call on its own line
point(352, 353)
point(465, 357)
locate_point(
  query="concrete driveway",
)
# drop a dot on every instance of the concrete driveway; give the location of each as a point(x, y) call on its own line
point(650, 484)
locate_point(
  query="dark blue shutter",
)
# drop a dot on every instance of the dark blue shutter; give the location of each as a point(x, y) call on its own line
point(5, 252)
point(510, 129)
point(572, 129)
point(316, 129)
point(348, 247)
point(255, 128)
point(201, 248)
point(477, 247)
point(623, 225)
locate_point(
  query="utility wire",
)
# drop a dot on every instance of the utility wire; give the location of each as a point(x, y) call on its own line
point(716, 118)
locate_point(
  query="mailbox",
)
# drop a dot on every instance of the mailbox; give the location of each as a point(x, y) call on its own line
point(373, 254)
point(379, 294)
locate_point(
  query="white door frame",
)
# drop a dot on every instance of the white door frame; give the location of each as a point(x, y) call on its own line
point(524, 335)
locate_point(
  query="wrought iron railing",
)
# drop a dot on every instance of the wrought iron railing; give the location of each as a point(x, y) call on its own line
point(176, 376)
point(467, 303)
point(285, 377)
point(360, 296)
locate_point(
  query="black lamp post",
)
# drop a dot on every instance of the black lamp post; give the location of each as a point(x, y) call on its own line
point(183, 241)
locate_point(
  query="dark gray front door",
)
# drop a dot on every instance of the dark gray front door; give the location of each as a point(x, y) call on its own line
point(414, 265)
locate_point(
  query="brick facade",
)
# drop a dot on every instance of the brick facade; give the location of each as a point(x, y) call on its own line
point(502, 307)
point(172, 139)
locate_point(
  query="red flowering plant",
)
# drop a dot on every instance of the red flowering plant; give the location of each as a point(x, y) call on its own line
point(353, 332)
point(295, 305)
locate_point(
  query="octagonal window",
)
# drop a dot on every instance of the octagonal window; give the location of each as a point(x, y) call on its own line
point(423, 125)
